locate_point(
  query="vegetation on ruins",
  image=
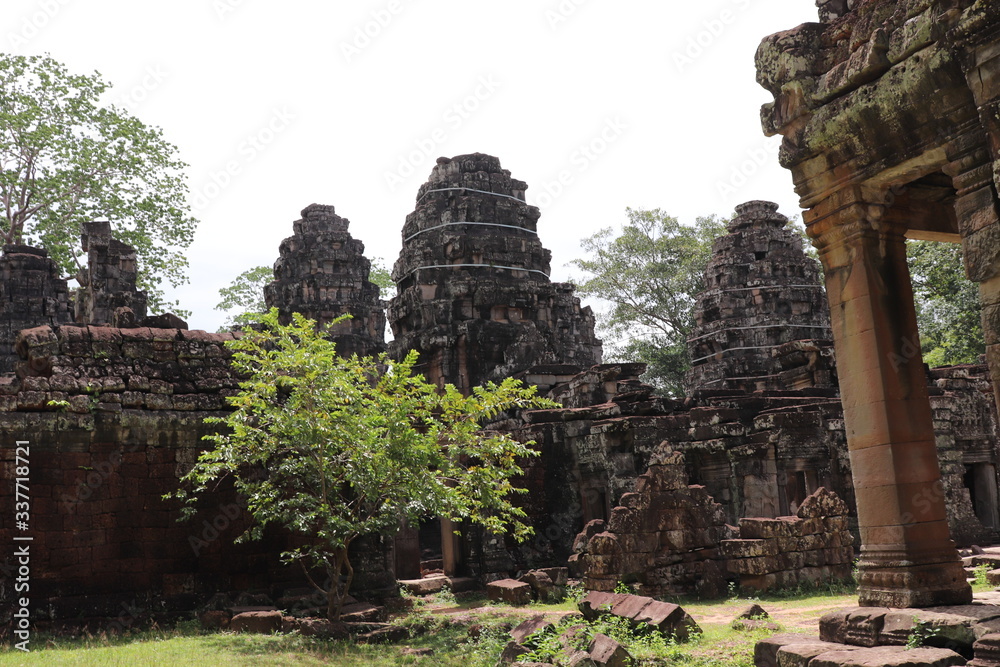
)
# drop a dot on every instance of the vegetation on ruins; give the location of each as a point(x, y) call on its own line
point(67, 160)
point(245, 296)
point(948, 307)
point(337, 448)
point(650, 273)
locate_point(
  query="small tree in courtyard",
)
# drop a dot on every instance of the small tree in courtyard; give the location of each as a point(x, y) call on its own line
point(333, 449)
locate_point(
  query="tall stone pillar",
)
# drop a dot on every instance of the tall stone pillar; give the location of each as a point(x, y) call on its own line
point(907, 556)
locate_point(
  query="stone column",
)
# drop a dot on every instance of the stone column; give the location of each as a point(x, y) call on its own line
point(907, 556)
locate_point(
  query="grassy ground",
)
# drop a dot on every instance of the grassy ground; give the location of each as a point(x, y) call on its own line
point(441, 625)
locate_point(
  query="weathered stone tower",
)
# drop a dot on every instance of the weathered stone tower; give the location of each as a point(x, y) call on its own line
point(474, 295)
point(108, 282)
point(761, 292)
point(322, 273)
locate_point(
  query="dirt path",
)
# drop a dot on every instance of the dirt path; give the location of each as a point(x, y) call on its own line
point(791, 618)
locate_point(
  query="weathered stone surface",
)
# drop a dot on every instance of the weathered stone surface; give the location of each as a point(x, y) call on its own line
point(258, 622)
point(31, 294)
point(761, 291)
point(510, 591)
point(606, 652)
point(474, 295)
point(322, 273)
point(669, 619)
point(109, 280)
point(529, 627)
point(883, 113)
point(667, 541)
point(887, 656)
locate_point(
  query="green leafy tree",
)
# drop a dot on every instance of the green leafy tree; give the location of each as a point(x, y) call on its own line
point(649, 273)
point(334, 449)
point(382, 277)
point(948, 308)
point(245, 296)
point(67, 160)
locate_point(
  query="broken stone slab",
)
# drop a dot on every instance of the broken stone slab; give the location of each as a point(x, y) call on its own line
point(801, 655)
point(765, 653)
point(986, 651)
point(533, 625)
point(511, 652)
point(435, 584)
point(888, 656)
point(510, 591)
point(541, 584)
point(949, 626)
point(668, 619)
point(377, 633)
point(362, 612)
point(606, 652)
point(257, 622)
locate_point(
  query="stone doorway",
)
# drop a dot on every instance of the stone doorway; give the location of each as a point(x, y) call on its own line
point(981, 481)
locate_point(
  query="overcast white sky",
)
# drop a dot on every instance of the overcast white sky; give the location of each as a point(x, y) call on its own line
point(279, 105)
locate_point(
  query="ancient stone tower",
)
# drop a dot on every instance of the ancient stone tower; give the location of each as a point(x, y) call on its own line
point(761, 292)
point(108, 282)
point(474, 295)
point(322, 273)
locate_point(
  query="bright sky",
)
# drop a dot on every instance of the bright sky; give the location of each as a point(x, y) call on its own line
point(279, 105)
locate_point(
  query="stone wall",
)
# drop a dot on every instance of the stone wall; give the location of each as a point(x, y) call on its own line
point(812, 547)
point(127, 423)
point(31, 293)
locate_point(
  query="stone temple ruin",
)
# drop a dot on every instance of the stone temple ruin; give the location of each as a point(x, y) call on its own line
point(676, 496)
point(810, 431)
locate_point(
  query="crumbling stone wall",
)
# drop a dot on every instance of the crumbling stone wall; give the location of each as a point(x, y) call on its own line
point(113, 418)
point(31, 293)
point(108, 282)
point(322, 273)
point(664, 537)
point(474, 295)
point(811, 547)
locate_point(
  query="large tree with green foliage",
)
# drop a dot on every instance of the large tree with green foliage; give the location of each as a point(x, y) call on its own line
point(948, 309)
point(333, 449)
point(66, 159)
point(649, 273)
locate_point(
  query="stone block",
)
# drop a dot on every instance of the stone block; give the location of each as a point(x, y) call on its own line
point(606, 652)
point(888, 656)
point(748, 548)
point(529, 627)
point(509, 591)
point(257, 622)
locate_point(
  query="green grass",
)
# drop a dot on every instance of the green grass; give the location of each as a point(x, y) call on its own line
point(718, 646)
